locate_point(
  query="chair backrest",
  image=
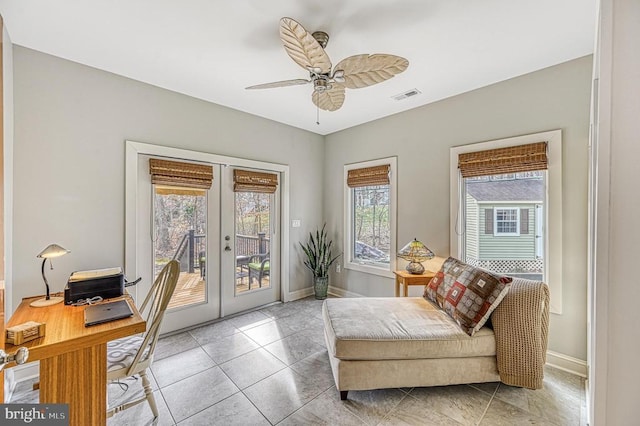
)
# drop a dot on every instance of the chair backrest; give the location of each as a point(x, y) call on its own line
point(158, 299)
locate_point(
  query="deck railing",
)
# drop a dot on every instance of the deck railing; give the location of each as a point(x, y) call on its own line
point(248, 245)
point(192, 248)
point(190, 251)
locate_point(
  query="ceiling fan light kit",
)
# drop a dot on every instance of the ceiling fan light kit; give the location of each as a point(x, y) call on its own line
point(355, 72)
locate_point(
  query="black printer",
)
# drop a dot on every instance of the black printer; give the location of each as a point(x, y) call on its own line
point(106, 283)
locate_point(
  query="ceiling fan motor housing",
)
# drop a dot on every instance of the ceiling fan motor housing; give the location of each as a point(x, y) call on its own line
point(321, 84)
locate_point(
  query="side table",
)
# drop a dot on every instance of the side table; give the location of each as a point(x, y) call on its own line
point(406, 279)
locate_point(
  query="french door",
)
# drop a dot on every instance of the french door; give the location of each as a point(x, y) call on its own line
point(227, 243)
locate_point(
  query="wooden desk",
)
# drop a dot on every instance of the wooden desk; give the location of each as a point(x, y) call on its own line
point(73, 358)
point(407, 279)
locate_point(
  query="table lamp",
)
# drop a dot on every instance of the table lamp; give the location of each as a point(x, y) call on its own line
point(53, 250)
point(415, 252)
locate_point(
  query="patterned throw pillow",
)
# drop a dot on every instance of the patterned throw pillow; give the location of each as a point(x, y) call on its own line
point(436, 290)
point(468, 294)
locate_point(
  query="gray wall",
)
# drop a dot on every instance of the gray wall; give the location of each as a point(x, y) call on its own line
point(71, 122)
point(554, 98)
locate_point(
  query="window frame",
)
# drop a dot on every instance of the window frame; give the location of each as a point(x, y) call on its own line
point(349, 214)
point(496, 233)
point(553, 204)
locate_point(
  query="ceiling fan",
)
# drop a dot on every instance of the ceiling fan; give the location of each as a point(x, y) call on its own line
point(354, 72)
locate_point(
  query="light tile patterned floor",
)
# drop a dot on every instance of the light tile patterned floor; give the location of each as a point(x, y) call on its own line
point(270, 367)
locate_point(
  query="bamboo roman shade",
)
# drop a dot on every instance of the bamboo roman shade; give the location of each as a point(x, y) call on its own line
point(368, 176)
point(250, 181)
point(176, 190)
point(514, 159)
point(179, 173)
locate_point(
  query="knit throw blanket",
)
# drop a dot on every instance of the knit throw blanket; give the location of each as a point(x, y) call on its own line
point(521, 326)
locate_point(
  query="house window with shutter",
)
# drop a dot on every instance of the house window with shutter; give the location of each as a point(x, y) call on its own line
point(507, 221)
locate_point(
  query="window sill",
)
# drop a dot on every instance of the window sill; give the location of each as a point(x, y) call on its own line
point(368, 269)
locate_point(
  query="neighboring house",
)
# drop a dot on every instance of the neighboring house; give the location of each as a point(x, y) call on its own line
point(505, 224)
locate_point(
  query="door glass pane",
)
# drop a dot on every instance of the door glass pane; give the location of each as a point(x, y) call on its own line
point(180, 225)
point(504, 223)
point(253, 245)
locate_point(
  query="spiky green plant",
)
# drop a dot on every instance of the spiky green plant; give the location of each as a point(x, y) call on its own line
point(318, 251)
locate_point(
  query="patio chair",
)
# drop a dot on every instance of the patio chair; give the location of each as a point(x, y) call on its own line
point(202, 262)
point(258, 268)
point(133, 355)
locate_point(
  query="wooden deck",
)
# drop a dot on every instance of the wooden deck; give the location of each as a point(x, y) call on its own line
point(190, 288)
point(242, 284)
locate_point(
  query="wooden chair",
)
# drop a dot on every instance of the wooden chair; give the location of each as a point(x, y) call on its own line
point(258, 268)
point(133, 355)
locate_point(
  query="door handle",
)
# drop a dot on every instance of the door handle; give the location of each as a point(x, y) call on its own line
point(227, 248)
point(20, 357)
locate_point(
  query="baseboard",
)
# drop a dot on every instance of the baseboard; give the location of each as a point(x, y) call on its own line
point(567, 363)
point(334, 291)
point(340, 292)
point(300, 294)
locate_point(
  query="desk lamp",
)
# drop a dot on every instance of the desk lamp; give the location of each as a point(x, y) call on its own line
point(415, 252)
point(53, 250)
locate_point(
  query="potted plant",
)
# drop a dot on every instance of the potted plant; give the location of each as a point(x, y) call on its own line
point(318, 251)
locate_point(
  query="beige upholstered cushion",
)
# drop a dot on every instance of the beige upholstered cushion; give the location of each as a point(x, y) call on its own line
point(398, 328)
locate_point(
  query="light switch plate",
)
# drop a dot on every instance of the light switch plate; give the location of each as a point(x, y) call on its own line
point(295, 223)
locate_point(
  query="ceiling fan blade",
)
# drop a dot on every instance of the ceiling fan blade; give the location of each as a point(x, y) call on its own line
point(284, 83)
point(302, 47)
point(366, 70)
point(329, 100)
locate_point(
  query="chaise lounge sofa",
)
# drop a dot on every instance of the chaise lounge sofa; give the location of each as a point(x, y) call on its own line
point(389, 342)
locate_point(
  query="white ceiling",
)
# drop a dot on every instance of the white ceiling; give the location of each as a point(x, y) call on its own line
point(213, 49)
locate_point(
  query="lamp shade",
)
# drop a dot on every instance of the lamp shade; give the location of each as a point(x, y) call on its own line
point(415, 252)
point(53, 250)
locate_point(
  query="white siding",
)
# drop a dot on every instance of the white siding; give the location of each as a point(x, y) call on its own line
point(472, 226)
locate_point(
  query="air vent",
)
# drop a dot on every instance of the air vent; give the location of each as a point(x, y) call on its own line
point(407, 94)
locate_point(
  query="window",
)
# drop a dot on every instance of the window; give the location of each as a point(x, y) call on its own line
point(505, 246)
point(505, 238)
point(180, 229)
point(369, 243)
point(506, 207)
point(507, 221)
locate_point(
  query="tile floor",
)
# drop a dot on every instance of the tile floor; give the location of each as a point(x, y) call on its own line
point(270, 367)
